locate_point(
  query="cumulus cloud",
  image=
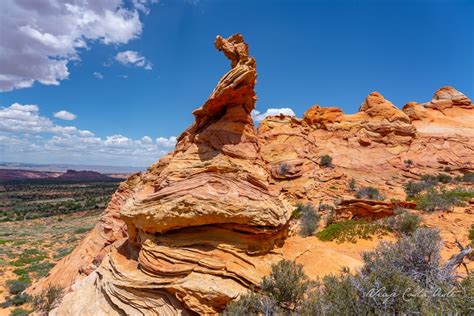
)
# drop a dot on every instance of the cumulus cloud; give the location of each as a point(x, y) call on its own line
point(98, 75)
point(26, 135)
point(133, 58)
point(65, 115)
point(166, 142)
point(258, 116)
point(40, 38)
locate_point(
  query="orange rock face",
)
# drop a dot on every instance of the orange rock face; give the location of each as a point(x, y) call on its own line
point(206, 222)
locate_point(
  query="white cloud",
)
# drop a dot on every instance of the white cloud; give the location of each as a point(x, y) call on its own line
point(65, 115)
point(86, 133)
point(166, 142)
point(146, 140)
point(40, 37)
point(98, 75)
point(26, 135)
point(257, 116)
point(133, 58)
point(141, 5)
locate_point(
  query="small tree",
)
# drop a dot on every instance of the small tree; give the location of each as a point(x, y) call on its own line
point(325, 161)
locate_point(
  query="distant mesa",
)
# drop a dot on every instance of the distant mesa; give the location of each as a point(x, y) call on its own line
point(69, 175)
point(83, 175)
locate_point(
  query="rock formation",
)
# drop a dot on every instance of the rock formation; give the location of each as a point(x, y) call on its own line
point(205, 223)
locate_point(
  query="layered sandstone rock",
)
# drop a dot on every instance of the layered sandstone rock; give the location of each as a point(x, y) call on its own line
point(206, 222)
point(199, 234)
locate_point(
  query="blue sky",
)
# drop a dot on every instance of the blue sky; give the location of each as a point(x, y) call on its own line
point(331, 53)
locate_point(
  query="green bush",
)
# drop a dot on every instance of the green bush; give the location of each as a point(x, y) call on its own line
point(282, 292)
point(468, 177)
point(330, 218)
point(433, 200)
point(298, 211)
point(309, 220)
point(403, 222)
point(325, 207)
point(286, 284)
point(82, 230)
point(252, 304)
point(20, 312)
point(471, 233)
point(283, 169)
point(369, 193)
point(16, 300)
point(325, 161)
point(352, 185)
point(408, 162)
point(351, 231)
point(413, 188)
point(17, 286)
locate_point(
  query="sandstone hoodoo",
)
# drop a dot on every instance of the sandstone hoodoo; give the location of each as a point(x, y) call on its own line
point(205, 223)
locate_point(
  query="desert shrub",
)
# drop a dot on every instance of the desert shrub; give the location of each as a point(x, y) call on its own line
point(429, 179)
point(325, 161)
point(29, 256)
point(403, 222)
point(282, 292)
point(351, 231)
point(413, 188)
point(471, 233)
point(433, 200)
point(16, 300)
point(444, 178)
point(81, 230)
point(468, 177)
point(297, 212)
point(41, 269)
point(330, 218)
point(48, 299)
point(20, 299)
point(17, 286)
point(286, 284)
point(417, 256)
point(370, 193)
point(309, 220)
point(20, 312)
point(352, 185)
point(252, 304)
point(325, 207)
point(283, 168)
point(408, 162)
